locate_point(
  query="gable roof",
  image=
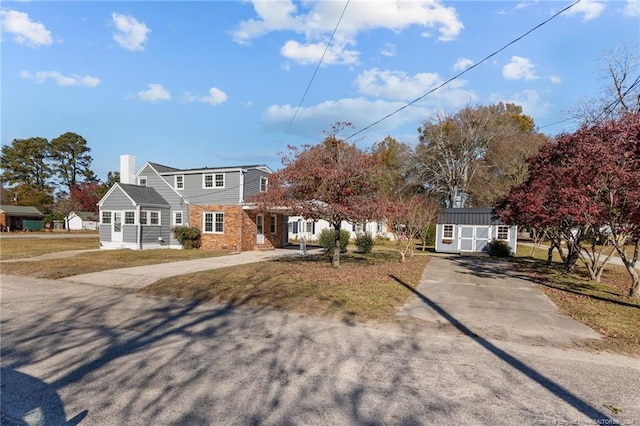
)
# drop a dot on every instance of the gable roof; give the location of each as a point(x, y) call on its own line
point(24, 211)
point(142, 194)
point(162, 169)
point(467, 216)
point(85, 216)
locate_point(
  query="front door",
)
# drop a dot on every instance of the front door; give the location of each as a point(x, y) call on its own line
point(260, 229)
point(116, 228)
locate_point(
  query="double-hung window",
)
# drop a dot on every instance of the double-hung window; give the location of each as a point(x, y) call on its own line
point(263, 184)
point(106, 218)
point(213, 222)
point(154, 218)
point(215, 180)
point(273, 223)
point(178, 182)
point(130, 218)
point(178, 218)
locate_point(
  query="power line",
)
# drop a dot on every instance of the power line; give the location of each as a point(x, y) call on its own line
point(464, 71)
point(313, 76)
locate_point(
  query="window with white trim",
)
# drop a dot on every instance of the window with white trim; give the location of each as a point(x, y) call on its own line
point(503, 233)
point(142, 181)
point(213, 180)
point(178, 218)
point(106, 218)
point(263, 184)
point(309, 227)
point(213, 222)
point(154, 218)
point(143, 217)
point(447, 232)
point(273, 223)
point(178, 181)
point(260, 224)
point(130, 218)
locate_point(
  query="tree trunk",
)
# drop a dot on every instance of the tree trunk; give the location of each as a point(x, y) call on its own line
point(335, 260)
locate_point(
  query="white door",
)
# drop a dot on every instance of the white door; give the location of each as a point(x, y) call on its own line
point(474, 238)
point(466, 238)
point(260, 229)
point(116, 227)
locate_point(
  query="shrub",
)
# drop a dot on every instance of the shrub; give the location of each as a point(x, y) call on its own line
point(499, 248)
point(364, 242)
point(188, 236)
point(327, 240)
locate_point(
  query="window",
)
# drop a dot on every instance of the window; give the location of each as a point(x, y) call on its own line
point(260, 224)
point(213, 222)
point(129, 218)
point(273, 223)
point(106, 218)
point(143, 217)
point(142, 181)
point(503, 232)
point(154, 218)
point(177, 218)
point(448, 232)
point(263, 184)
point(178, 182)
point(310, 227)
point(213, 181)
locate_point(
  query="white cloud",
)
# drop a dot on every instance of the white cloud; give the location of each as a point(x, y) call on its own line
point(154, 93)
point(24, 30)
point(555, 79)
point(130, 34)
point(632, 8)
point(317, 20)
point(589, 9)
point(311, 53)
point(60, 79)
point(397, 85)
point(311, 121)
point(519, 69)
point(216, 97)
point(462, 64)
point(389, 49)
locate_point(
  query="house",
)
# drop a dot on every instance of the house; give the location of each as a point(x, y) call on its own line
point(141, 210)
point(469, 230)
point(14, 218)
point(310, 230)
point(79, 221)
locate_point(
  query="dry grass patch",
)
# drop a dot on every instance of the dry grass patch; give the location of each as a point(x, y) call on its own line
point(20, 248)
point(361, 289)
point(604, 306)
point(100, 261)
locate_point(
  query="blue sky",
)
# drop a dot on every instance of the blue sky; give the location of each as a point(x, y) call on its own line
point(216, 83)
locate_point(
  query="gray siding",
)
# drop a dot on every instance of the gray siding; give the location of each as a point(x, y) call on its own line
point(129, 233)
point(105, 232)
point(252, 181)
point(117, 200)
point(163, 186)
point(194, 192)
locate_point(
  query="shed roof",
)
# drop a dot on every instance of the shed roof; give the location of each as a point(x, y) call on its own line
point(85, 216)
point(24, 211)
point(143, 194)
point(467, 216)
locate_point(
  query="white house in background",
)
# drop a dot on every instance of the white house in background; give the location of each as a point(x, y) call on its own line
point(78, 221)
point(309, 229)
point(469, 230)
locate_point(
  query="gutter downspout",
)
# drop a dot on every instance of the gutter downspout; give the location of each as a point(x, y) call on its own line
point(139, 233)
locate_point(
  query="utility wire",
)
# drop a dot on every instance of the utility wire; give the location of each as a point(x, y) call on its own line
point(313, 76)
point(463, 72)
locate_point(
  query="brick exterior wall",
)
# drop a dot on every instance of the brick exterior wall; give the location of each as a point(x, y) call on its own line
point(239, 229)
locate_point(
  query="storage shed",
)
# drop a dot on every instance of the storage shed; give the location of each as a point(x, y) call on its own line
point(469, 230)
point(15, 218)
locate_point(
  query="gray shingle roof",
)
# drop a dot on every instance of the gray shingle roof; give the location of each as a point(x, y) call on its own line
point(467, 216)
point(143, 194)
point(24, 211)
point(163, 169)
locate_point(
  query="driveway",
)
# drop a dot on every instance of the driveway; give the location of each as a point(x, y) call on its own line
point(84, 354)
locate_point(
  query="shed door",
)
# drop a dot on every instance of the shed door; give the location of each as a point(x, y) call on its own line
point(474, 238)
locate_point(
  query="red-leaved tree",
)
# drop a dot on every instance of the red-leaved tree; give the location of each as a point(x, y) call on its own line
point(587, 183)
point(87, 195)
point(333, 180)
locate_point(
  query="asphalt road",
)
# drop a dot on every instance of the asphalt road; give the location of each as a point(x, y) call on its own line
point(91, 355)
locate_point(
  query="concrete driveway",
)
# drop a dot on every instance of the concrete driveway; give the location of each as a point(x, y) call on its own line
point(85, 354)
